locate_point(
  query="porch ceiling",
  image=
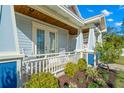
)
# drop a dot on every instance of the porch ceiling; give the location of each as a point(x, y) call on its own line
point(28, 11)
point(86, 30)
point(98, 20)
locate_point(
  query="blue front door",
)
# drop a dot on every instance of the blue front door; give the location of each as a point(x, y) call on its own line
point(91, 59)
point(8, 78)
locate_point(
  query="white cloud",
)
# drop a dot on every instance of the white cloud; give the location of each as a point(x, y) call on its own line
point(110, 20)
point(89, 10)
point(106, 12)
point(118, 23)
point(121, 7)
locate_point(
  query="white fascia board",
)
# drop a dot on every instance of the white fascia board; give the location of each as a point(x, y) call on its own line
point(47, 11)
point(105, 30)
point(72, 15)
point(79, 12)
point(94, 18)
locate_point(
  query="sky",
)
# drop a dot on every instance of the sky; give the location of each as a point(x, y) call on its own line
point(114, 14)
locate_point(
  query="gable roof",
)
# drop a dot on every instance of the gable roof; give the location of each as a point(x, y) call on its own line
point(74, 9)
point(97, 19)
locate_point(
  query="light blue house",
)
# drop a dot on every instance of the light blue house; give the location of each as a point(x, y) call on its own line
point(44, 38)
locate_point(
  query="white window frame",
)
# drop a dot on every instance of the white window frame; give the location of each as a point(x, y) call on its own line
point(47, 29)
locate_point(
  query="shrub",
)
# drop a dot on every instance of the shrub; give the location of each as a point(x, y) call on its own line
point(100, 82)
point(71, 69)
point(92, 85)
point(81, 80)
point(92, 73)
point(42, 80)
point(104, 74)
point(82, 64)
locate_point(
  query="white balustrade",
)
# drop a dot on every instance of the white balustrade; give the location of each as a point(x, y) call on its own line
point(53, 63)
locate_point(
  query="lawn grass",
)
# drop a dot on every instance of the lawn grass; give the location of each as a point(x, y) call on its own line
point(119, 80)
point(121, 60)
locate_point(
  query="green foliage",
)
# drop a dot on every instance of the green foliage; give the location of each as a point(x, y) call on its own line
point(92, 73)
point(119, 80)
point(82, 64)
point(111, 48)
point(93, 85)
point(120, 61)
point(104, 74)
point(81, 80)
point(71, 69)
point(42, 80)
point(100, 82)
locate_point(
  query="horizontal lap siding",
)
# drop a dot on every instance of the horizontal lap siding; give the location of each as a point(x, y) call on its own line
point(24, 30)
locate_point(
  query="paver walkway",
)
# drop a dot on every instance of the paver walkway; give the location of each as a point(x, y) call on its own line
point(116, 67)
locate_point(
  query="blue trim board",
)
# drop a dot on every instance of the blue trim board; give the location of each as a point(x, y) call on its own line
point(91, 59)
point(8, 75)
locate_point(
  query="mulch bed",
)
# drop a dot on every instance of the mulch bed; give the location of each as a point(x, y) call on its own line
point(66, 80)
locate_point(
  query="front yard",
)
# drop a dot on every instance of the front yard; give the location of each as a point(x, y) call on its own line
point(120, 61)
point(119, 79)
point(116, 78)
point(78, 76)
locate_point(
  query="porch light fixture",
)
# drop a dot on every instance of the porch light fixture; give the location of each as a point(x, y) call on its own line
point(31, 10)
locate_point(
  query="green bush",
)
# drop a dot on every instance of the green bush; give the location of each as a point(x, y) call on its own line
point(81, 80)
point(93, 85)
point(82, 64)
point(92, 73)
point(104, 74)
point(71, 69)
point(100, 82)
point(42, 80)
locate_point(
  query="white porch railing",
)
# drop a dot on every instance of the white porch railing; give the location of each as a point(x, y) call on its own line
point(53, 63)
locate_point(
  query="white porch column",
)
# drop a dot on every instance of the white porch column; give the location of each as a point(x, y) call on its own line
point(8, 32)
point(92, 44)
point(91, 40)
point(8, 39)
point(99, 38)
point(79, 42)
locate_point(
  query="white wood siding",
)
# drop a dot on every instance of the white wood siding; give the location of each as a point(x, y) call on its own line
point(24, 29)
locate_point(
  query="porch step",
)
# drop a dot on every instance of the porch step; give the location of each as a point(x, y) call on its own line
point(59, 74)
